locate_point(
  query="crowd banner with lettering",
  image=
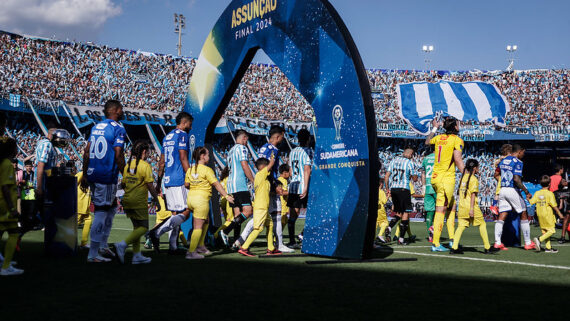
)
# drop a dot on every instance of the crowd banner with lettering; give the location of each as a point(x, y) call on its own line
point(86, 115)
point(420, 102)
point(259, 126)
point(310, 44)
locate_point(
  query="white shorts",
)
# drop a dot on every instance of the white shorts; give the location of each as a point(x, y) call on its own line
point(274, 203)
point(510, 199)
point(103, 194)
point(176, 198)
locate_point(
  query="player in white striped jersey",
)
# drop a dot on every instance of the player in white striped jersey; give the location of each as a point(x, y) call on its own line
point(397, 183)
point(300, 161)
point(240, 173)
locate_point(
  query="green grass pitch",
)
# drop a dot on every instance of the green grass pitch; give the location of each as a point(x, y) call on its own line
point(227, 286)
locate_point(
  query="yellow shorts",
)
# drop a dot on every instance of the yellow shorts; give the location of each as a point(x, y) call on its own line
point(81, 218)
point(444, 186)
point(382, 218)
point(464, 219)
point(199, 205)
point(137, 214)
point(259, 218)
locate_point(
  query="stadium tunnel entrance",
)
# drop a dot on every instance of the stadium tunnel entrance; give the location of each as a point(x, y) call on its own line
point(320, 59)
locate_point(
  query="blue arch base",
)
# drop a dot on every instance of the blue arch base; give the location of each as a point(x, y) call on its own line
point(309, 42)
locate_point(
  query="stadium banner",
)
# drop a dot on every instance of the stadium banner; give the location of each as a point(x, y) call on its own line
point(420, 102)
point(308, 41)
point(86, 115)
point(259, 126)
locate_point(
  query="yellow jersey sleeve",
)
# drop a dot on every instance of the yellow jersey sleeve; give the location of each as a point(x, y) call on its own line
point(434, 140)
point(210, 176)
point(458, 145)
point(534, 198)
point(552, 199)
point(146, 172)
point(473, 186)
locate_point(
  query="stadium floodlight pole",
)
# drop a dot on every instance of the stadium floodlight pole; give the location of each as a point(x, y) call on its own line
point(427, 49)
point(179, 25)
point(511, 49)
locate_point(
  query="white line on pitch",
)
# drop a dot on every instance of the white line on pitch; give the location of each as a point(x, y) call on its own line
point(487, 260)
point(429, 246)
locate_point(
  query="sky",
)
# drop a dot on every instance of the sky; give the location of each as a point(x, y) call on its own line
point(466, 35)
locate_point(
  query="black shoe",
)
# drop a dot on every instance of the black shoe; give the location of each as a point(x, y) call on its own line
point(403, 243)
point(155, 241)
point(561, 241)
point(491, 250)
point(458, 251)
point(412, 239)
point(294, 246)
point(387, 233)
point(177, 252)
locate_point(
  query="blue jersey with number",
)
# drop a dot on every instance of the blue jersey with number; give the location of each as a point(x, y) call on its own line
point(266, 151)
point(510, 166)
point(105, 136)
point(45, 153)
point(172, 144)
point(237, 181)
point(298, 159)
point(401, 170)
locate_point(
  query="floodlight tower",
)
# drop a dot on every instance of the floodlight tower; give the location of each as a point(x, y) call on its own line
point(427, 49)
point(179, 25)
point(511, 49)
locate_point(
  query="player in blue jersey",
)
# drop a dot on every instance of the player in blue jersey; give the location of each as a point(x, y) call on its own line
point(300, 161)
point(240, 174)
point(510, 199)
point(103, 159)
point(173, 166)
point(397, 184)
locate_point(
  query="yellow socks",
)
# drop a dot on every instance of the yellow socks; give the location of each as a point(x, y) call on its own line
point(134, 238)
point(195, 239)
point(458, 233)
point(183, 238)
point(204, 233)
point(484, 236)
point(9, 249)
point(254, 234)
point(451, 225)
point(86, 230)
point(383, 228)
point(270, 245)
point(546, 237)
point(437, 227)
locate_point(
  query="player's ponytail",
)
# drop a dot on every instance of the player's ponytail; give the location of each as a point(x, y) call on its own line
point(198, 152)
point(470, 165)
point(138, 149)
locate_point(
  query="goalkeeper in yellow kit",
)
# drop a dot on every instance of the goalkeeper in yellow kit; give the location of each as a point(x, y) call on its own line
point(448, 148)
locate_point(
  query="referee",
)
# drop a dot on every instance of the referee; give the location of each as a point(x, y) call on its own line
point(397, 184)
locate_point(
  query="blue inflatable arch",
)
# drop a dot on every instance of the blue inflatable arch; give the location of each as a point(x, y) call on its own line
point(311, 45)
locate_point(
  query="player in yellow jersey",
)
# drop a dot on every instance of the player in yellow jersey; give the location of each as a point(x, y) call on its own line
point(545, 203)
point(281, 221)
point(469, 212)
point(199, 179)
point(83, 211)
point(8, 205)
point(261, 208)
point(506, 150)
point(382, 219)
point(137, 183)
point(448, 148)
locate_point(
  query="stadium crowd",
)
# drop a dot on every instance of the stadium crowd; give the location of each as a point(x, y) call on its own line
point(87, 74)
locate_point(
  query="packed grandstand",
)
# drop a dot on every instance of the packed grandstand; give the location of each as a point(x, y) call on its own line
point(46, 74)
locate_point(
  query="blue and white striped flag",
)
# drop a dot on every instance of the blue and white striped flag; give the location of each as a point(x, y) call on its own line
point(420, 102)
point(14, 100)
